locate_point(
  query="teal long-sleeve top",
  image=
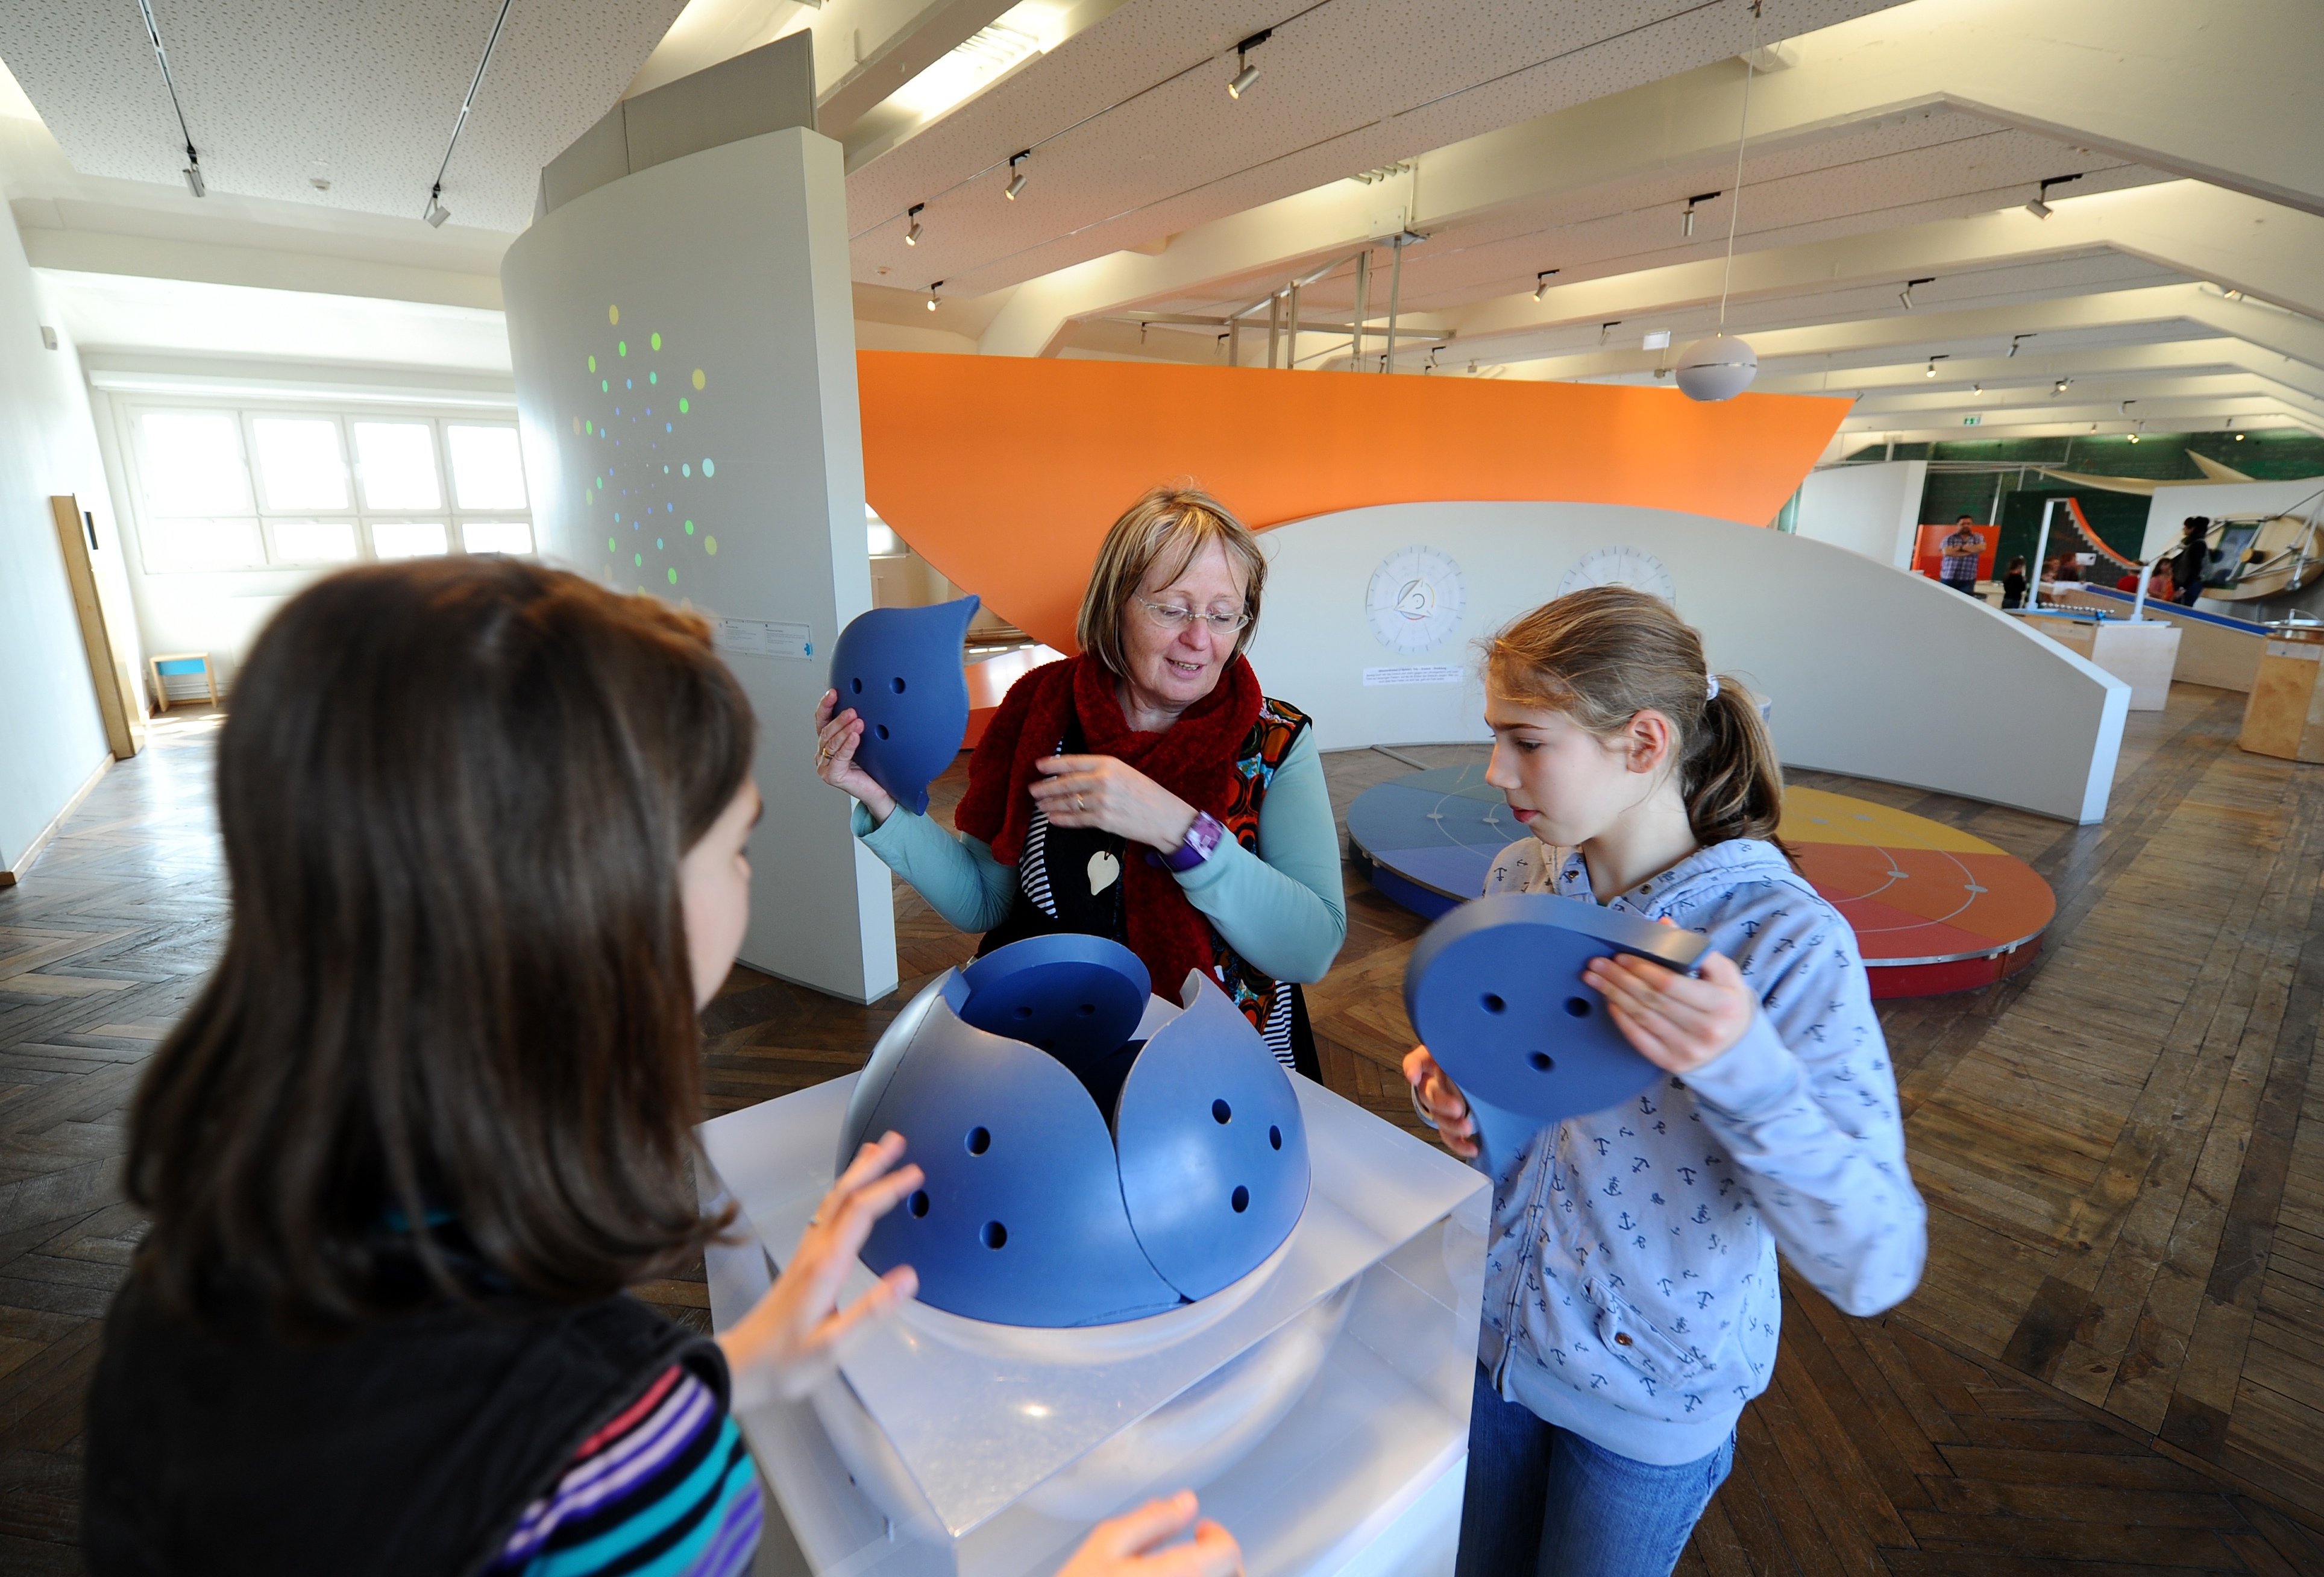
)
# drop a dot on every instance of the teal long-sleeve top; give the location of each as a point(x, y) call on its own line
point(1281, 908)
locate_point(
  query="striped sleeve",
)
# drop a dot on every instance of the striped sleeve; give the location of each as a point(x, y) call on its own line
point(665, 1489)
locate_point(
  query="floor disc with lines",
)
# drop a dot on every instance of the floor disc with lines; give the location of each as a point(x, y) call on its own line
point(1935, 908)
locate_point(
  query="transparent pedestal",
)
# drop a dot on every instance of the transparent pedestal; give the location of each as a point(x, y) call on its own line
point(1320, 1405)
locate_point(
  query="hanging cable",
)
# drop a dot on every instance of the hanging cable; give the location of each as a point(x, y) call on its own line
point(193, 170)
point(1742, 135)
point(436, 213)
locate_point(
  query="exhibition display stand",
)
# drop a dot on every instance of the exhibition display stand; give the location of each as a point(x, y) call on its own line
point(1319, 1405)
point(2285, 714)
point(2140, 652)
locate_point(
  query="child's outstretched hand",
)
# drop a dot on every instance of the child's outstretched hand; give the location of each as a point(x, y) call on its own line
point(1125, 1547)
point(1446, 1106)
point(1676, 1023)
point(787, 1343)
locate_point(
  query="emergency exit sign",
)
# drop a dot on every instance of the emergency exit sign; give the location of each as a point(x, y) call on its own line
point(1971, 420)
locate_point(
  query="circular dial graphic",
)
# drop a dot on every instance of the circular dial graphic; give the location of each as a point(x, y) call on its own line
point(1415, 599)
point(1630, 566)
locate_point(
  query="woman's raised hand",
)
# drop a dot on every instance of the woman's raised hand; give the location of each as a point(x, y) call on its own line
point(1125, 1547)
point(1446, 1106)
point(1112, 795)
point(788, 1342)
point(837, 734)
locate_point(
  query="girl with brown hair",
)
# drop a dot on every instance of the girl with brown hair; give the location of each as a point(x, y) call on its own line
point(485, 825)
point(1631, 1300)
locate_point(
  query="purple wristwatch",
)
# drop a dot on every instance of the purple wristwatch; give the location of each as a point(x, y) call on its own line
point(1195, 847)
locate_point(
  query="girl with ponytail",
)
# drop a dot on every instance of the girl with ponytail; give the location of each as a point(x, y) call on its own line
point(1631, 1300)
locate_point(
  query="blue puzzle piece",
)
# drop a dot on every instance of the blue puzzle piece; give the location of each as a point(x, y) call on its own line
point(1214, 1152)
point(1020, 1218)
point(1076, 997)
point(901, 669)
point(1495, 991)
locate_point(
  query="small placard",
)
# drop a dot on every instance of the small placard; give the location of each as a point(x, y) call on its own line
point(764, 638)
point(1423, 674)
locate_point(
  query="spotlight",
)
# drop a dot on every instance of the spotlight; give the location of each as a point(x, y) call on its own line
point(2134, 437)
point(1016, 174)
point(193, 174)
point(2239, 437)
point(1245, 73)
point(1939, 356)
point(912, 235)
point(2040, 207)
point(933, 289)
point(1976, 387)
point(1541, 282)
point(2017, 340)
point(1686, 219)
point(436, 213)
point(2060, 386)
point(2232, 295)
point(1905, 296)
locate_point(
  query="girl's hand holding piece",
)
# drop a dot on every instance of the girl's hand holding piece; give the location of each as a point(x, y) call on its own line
point(790, 1342)
point(1113, 796)
point(1125, 1547)
point(837, 735)
point(1675, 1022)
point(1446, 1106)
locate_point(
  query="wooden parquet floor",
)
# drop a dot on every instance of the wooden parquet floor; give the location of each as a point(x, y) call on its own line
point(2114, 1364)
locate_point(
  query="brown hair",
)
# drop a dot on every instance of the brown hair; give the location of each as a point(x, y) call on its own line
point(1180, 520)
point(1604, 655)
point(455, 994)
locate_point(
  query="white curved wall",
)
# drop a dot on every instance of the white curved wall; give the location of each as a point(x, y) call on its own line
point(1873, 671)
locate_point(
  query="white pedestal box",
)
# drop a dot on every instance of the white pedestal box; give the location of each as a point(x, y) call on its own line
point(1319, 1405)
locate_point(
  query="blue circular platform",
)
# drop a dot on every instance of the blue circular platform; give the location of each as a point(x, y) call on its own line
point(1428, 838)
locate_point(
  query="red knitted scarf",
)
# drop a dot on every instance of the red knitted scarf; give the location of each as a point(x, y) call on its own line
point(1193, 759)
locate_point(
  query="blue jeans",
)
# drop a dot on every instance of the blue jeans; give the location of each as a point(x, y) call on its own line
point(1541, 1501)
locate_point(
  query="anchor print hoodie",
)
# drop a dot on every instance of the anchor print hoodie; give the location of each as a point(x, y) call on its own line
point(1630, 1291)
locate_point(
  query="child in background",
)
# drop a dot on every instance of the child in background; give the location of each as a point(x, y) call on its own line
point(1631, 1300)
point(2013, 584)
point(485, 827)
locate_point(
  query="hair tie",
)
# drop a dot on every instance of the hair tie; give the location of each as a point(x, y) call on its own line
point(1714, 689)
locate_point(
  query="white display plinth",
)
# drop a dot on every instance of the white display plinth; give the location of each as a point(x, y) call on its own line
point(956, 1450)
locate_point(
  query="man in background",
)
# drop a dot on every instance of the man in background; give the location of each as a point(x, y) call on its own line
point(1961, 549)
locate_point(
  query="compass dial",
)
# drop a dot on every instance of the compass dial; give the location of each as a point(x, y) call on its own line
point(1415, 599)
point(1630, 566)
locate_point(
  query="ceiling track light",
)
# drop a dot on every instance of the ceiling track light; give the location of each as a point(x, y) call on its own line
point(933, 286)
point(1933, 360)
point(1017, 173)
point(193, 170)
point(1976, 387)
point(1906, 295)
point(2060, 387)
point(1541, 282)
point(2040, 207)
point(436, 213)
point(2231, 295)
point(2017, 340)
point(1245, 73)
point(1686, 219)
point(912, 235)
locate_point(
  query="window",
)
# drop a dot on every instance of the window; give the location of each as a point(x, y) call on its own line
point(307, 488)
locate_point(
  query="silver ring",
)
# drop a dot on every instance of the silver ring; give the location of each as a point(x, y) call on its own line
point(1079, 803)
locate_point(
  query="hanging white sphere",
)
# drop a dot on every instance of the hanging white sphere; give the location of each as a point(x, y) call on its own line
point(1718, 368)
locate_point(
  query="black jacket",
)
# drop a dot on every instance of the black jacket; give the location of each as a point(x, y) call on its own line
point(410, 1446)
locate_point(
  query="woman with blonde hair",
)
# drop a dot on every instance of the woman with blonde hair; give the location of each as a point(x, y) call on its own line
point(1145, 790)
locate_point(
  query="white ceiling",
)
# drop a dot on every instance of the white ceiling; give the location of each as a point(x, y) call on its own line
point(120, 312)
point(369, 90)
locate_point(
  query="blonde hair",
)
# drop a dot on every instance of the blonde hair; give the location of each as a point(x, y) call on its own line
point(1604, 655)
point(1181, 521)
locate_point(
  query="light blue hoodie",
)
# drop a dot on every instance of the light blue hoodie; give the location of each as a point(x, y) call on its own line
point(1630, 1291)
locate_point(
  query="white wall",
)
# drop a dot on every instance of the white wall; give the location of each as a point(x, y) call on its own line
point(1874, 510)
point(1873, 671)
point(737, 257)
point(51, 736)
point(2168, 510)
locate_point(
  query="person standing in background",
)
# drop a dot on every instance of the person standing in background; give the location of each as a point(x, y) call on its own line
point(2194, 556)
point(1961, 549)
point(2013, 585)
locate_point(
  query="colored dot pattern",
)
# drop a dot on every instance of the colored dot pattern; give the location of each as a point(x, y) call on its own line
point(630, 477)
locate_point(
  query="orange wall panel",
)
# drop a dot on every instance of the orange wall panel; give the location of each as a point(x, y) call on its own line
point(1004, 472)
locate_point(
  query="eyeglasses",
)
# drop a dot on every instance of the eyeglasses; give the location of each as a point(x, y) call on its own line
point(1170, 616)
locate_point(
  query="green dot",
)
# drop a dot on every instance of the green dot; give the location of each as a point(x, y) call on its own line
point(621, 347)
point(708, 469)
point(686, 470)
point(605, 386)
point(673, 577)
point(659, 545)
point(653, 377)
point(601, 485)
point(593, 363)
point(609, 546)
point(655, 340)
point(589, 426)
point(710, 545)
point(690, 527)
point(637, 560)
point(682, 406)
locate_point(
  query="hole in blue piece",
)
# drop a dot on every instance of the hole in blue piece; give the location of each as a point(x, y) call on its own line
point(856, 686)
point(1541, 1062)
point(1578, 1006)
point(897, 684)
point(1494, 1004)
point(994, 1234)
point(979, 1141)
point(1221, 1111)
point(1242, 1200)
point(1275, 1138)
point(1024, 1011)
point(919, 1204)
point(1086, 1008)
point(883, 729)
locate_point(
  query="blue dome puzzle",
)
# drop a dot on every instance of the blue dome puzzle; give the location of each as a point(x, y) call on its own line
point(1494, 990)
point(901, 669)
point(1043, 1207)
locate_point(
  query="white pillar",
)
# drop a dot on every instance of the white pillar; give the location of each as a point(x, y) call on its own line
point(736, 258)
